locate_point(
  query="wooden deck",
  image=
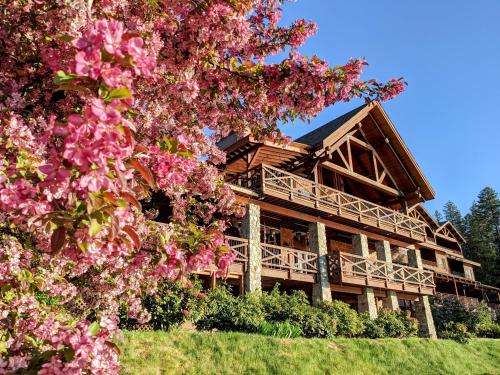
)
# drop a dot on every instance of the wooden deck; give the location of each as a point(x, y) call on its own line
point(351, 269)
point(288, 187)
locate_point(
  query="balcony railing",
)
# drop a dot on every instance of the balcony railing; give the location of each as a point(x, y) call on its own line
point(281, 184)
point(240, 247)
point(356, 270)
point(288, 263)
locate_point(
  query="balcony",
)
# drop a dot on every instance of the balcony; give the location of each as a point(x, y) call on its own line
point(277, 261)
point(287, 263)
point(352, 269)
point(276, 183)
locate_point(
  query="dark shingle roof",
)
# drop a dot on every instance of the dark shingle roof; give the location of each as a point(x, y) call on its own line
point(314, 137)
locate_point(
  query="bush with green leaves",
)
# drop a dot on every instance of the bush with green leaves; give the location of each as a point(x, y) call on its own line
point(456, 331)
point(348, 321)
point(295, 308)
point(172, 304)
point(390, 324)
point(479, 321)
point(284, 329)
point(224, 311)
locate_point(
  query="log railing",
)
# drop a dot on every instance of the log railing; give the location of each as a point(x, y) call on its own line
point(273, 181)
point(288, 259)
point(343, 266)
point(240, 247)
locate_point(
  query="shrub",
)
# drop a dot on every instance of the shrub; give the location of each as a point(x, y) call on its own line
point(316, 323)
point(450, 310)
point(226, 312)
point(479, 321)
point(171, 305)
point(457, 332)
point(491, 331)
point(348, 321)
point(390, 324)
point(295, 308)
point(276, 304)
point(280, 329)
point(373, 330)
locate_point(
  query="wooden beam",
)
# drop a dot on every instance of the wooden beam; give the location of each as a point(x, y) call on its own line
point(360, 178)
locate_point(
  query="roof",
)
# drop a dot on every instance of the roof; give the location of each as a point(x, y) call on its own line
point(316, 136)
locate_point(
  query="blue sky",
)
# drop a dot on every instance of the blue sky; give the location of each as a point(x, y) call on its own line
point(449, 52)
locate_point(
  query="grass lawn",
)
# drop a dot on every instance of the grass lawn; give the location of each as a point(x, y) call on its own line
point(183, 352)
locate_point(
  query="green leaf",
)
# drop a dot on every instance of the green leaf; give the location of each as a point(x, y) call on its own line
point(69, 354)
point(62, 77)
point(121, 93)
point(65, 37)
point(95, 227)
point(94, 328)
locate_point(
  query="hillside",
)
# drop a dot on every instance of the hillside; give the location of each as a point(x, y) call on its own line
point(182, 352)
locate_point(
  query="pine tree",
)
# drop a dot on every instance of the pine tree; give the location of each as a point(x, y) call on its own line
point(438, 216)
point(453, 215)
point(483, 236)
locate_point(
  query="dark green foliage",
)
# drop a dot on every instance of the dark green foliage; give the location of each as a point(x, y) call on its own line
point(173, 304)
point(453, 215)
point(478, 321)
point(280, 329)
point(315, 323)
point(224, 311)
point(349, 323)
point(457, 332)
point(390, 324)
point(450, 310)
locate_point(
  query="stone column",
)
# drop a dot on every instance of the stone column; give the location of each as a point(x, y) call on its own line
point(384, 254)
point(250, 229)
point(366, 301)
point(423, 311)
point(317, 244)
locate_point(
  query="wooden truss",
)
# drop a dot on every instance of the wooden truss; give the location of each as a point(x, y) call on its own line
point(340, 158)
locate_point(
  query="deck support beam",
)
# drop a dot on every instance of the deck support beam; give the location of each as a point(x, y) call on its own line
point(250, 229)
point(422, 307)
point(317, 244)
point(384, 254)
point(366, 301)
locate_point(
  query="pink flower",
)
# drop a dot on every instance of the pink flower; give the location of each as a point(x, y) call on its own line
point(88, 63)
point(112, 32)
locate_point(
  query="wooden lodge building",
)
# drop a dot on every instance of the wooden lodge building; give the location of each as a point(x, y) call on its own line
point(338, 214)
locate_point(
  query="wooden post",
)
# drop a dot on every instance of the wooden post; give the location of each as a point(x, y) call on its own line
point(213, 281)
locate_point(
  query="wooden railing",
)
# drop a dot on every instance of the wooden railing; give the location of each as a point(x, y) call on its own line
point(240, 247)
point(354, 269)
point(282, 184)
point(288, 259)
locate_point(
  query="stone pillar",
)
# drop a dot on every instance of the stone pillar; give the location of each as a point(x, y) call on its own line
point(317, 244)
point(366, 301)
point(423, 311)
point(384, 254)
point(250, 229)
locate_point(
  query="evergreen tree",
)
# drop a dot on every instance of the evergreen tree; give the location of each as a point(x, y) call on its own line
point(483, 236)
point(438, 216)
point(453, 215)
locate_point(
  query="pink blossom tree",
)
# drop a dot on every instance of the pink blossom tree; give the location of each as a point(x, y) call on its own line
point(106, 104)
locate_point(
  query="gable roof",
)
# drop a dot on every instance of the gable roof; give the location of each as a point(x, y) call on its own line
point(390, 142)
point(454, 231)
point(317, 135)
